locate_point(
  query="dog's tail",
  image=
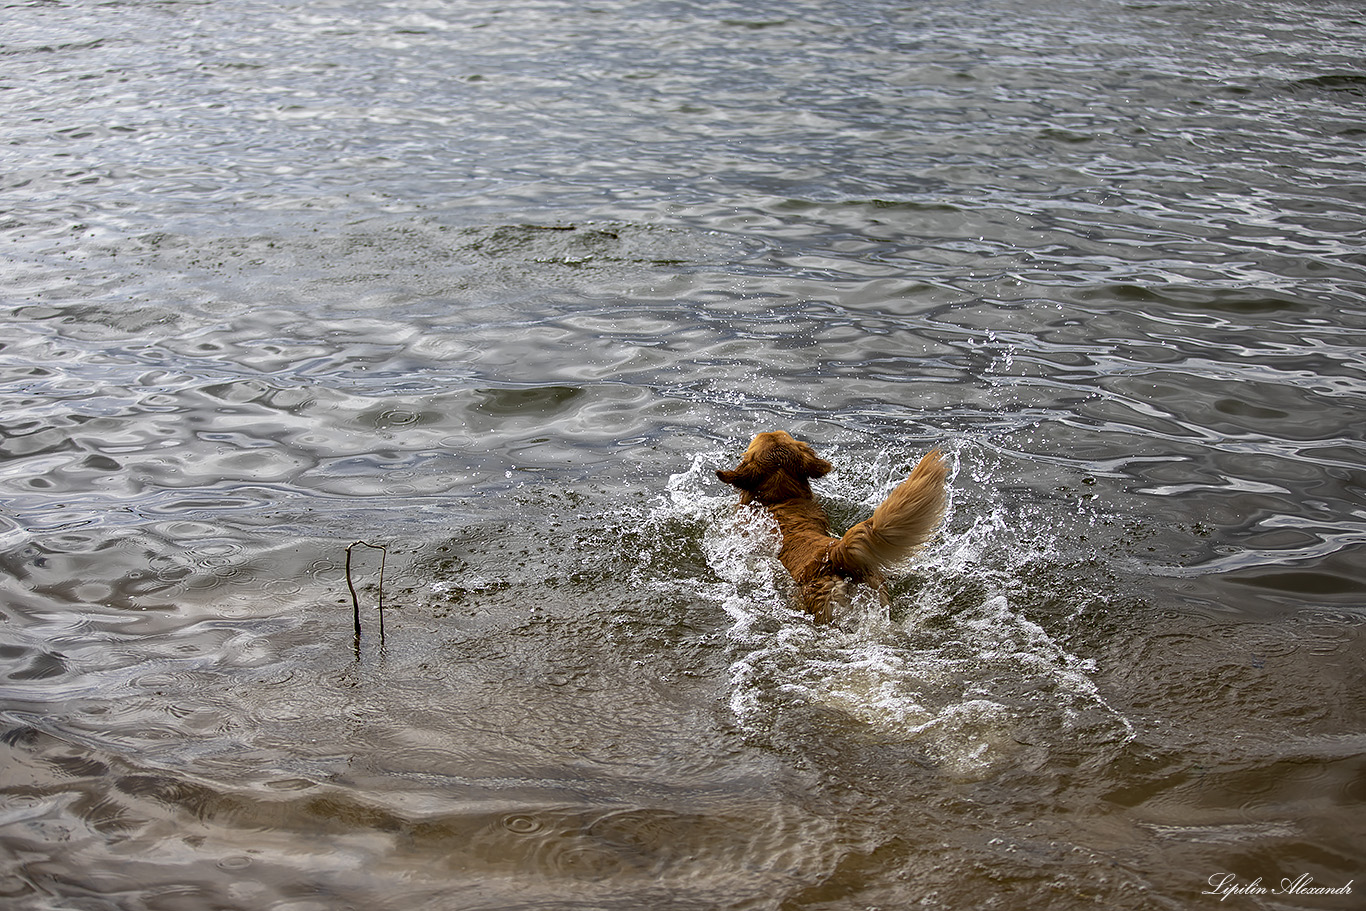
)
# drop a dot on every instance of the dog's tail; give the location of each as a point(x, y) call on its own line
point(903, 522)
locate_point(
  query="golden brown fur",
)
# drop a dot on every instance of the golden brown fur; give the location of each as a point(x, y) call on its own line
point(775, 472)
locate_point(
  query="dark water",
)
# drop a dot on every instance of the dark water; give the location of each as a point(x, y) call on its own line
point(498, 286)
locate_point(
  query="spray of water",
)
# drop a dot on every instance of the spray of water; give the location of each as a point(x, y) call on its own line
point(955, 667)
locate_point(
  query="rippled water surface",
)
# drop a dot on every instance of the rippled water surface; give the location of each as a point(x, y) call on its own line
point(497, 287)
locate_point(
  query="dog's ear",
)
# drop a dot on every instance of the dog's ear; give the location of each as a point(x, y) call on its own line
point(812, 465)
point(744, 476)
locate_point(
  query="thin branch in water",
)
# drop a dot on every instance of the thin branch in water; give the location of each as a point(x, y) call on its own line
point(355, 601)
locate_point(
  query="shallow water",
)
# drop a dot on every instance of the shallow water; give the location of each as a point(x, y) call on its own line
point(499, 288)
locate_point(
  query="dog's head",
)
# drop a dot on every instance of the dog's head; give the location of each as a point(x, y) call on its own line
point(774, 468)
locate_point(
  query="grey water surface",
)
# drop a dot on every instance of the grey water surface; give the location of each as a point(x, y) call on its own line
point(498, 286)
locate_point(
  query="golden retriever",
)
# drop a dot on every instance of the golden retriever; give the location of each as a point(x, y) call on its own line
point(775, 472)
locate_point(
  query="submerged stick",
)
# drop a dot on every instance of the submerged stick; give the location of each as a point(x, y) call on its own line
point(355, 601)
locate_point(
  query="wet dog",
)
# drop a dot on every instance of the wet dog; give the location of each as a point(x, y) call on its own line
point(775, 472)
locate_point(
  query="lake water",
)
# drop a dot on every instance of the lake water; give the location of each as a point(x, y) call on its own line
point(497, 287)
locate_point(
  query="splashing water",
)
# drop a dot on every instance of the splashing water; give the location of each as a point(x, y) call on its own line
point(954, 667)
